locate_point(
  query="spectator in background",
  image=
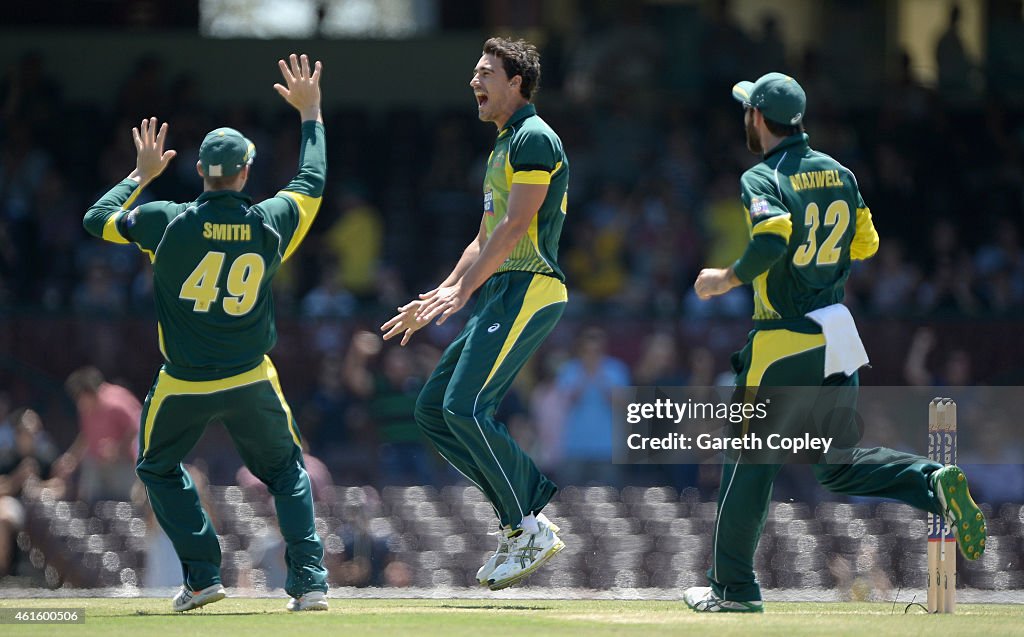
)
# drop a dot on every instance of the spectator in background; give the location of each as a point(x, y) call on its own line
point(329, 299)
point(955, 69)
point(956, 368)
point(107, 443)
point(769, 50)
point(30, 457)
point(587, 382)
point(356, 240)
point(659, 362)
point(549, 407)
point(389, 385)
point(6, 424)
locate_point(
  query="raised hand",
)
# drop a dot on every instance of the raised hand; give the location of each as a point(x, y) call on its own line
point(302, 88)
point(151, 158)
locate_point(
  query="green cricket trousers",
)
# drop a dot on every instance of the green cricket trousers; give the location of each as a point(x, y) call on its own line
point(779, 358)
point(513, 315)
point(256, 415)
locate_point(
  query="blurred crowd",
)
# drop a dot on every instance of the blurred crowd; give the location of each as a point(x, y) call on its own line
point(654, 194)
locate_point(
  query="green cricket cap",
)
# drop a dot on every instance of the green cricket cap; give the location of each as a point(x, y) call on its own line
point(778, 96)
point(224, 152)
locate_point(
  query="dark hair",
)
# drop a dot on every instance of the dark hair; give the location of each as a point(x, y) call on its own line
point(519, 57)
point(783, 130)
point(84, 380)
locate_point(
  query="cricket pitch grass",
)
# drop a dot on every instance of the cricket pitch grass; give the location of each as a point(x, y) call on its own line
point(252, 617)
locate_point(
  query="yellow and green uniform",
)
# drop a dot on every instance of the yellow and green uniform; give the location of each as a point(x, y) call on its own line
point(213, 261)
point(516, 309)
point(808, 221)
point(527, 151)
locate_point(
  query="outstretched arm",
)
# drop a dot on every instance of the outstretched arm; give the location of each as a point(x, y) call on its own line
point(305, 191)
point(151, 159)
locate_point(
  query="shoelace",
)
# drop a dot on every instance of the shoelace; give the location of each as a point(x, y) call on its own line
point(708, 603)
point(503, 541)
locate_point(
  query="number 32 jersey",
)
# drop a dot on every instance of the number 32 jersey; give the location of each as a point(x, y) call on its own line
point(811, 202)
point(213, 262)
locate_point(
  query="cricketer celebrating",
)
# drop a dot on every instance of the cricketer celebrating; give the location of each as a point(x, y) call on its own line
point(514, 259)
point(807, 222)
point(213, 261)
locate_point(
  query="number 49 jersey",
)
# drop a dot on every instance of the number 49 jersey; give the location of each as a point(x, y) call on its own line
point(213, 262)
point(812, 203)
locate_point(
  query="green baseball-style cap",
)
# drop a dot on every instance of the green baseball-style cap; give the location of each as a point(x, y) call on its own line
point(778, 96)
point(224, 152)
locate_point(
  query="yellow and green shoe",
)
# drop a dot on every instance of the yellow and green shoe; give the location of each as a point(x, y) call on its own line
point(960, 511)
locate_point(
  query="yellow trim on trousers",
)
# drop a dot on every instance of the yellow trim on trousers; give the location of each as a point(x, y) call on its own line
point(543, 291)
point(167, 386)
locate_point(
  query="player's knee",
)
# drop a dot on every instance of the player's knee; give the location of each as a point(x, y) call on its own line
point(427, 412)
point(151, 473)
point(457, 410)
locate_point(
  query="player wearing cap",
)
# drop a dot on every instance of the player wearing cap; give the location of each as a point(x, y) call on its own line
point(807, 223)
point(513, 261)
point(213, 261)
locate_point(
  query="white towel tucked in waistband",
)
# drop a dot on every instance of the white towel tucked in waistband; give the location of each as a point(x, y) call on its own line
point(844, 351)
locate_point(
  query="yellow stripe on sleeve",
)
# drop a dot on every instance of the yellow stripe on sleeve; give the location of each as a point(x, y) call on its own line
point(780, 225)
point(110, 231)
point(865, 237)
point(127, 205)
point(531, 177)
point(308, 207)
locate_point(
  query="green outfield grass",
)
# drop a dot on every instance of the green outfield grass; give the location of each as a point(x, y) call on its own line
point(136, 617)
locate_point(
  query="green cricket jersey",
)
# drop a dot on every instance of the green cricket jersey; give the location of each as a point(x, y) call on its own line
point(527, 151)
point(213, 261)
point(808, 221)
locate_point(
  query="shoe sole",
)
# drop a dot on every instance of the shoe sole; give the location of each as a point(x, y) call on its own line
point(216, 597)
point(515, 579)
point(962, 514)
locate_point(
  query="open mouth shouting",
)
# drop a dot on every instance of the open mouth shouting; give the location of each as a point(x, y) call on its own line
point(481, 100)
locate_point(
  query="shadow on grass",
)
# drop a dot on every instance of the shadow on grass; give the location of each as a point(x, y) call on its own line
point(494, 607)
point(158, 613)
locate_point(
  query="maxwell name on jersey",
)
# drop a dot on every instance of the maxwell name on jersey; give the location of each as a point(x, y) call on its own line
point(816, 179)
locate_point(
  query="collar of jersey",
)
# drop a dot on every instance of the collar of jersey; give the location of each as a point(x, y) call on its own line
point(525, 111)
point(789, 142)
point(224, 194)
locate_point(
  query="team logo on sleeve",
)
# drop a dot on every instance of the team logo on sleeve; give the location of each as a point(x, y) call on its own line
point(758, 207)
point(489, 202)
point(132, 217)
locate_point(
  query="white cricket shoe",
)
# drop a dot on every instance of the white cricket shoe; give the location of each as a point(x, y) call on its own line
point(703, 600)
point(187, 600)
point(313, 600)
point(504, 542)
point(526, 553)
